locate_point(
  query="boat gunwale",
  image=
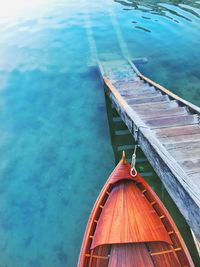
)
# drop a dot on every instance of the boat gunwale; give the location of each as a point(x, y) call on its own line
point(107, 188)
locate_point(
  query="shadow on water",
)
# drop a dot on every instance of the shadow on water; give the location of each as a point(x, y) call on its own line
point(122, 139)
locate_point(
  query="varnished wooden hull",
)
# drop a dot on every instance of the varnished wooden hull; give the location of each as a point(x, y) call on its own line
point(129, 226)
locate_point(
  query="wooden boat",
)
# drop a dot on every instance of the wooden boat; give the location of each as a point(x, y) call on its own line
point(130, 227)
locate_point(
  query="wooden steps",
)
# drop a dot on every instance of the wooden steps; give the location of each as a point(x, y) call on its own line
point(147, 99)
point(178, 131)
point(155, 106)
point(179, 138)
point(185, 153)
point(167, 128)
point(140, 94)
point(185, 145)
point(137, 87)
point(162, 113)
point(172, 121)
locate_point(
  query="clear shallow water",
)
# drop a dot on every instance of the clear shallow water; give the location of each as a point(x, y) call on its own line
point(167, 34)
point(55, 151)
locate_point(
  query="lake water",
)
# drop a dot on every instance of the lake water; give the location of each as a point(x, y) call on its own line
point(55, 147)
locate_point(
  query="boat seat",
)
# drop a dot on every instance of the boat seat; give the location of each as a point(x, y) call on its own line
point(130, 255)
point(139, 255)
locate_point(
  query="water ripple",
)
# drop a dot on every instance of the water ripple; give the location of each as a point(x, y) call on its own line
point(161, 7)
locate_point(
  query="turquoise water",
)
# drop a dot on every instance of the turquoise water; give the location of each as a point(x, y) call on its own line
point(55, 148)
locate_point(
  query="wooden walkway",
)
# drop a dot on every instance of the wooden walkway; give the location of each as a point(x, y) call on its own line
point(167, 129)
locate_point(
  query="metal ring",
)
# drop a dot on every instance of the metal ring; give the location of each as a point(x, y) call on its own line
point(131, 172)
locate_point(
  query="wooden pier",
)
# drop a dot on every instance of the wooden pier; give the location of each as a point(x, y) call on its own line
point(166, 127)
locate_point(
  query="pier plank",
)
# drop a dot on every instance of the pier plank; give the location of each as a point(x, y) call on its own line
point(162, 113)
point(172, 121)
point(137, 88)
point(183, 145)
point(157, 106)
point(195, 177)
point(147, 100)
point(130, 85)
point(185, 153)
point(140, 94)
point(191, 165)
point(180, 138)
point(178, 131)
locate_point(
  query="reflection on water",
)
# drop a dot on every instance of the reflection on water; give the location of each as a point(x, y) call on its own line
point(142, 28)
point(173, 10)
point(162, 7)
point(167, 33)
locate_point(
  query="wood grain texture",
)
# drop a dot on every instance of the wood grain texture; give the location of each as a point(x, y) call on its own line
point(137, 95)
point(161, 113)
point(191, 164)
point(120, 171)
point(155, 106)
point(143, 100)
point(100, 261)
point(130, 255)
point(183, 145)
point(195, 177)
point(139, 90)
point(178, 131)
point(180, 139)
point(128, 207)
point(184, 153)
point(131, 85)
point(172, 121)
point(166, 259)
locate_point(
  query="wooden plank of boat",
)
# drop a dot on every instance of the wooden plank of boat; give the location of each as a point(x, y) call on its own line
point(129, 226)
